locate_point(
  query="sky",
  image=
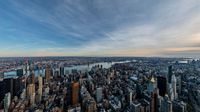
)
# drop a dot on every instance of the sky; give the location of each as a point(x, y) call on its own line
point(100, 28)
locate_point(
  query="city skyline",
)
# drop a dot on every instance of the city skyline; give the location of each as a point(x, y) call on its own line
point(100, 28)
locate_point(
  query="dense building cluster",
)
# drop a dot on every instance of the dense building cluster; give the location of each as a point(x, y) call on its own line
point(138, 85)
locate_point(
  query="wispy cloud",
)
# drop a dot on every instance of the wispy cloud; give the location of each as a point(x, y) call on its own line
point(100, 27)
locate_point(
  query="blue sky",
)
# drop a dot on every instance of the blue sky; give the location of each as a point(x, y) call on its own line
point(100, 28)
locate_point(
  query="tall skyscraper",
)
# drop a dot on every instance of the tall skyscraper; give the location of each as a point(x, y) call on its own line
point(166, 104)
point(154, 101)
point(8, 85)
point(135, 106)
point(162, 85)
point(20, 72)
point(62, 71)
point(75, 93)
point(90, 106)
point(7, 101)
point(169, 74)
point(32, 78)
point(170, 92)
point(31, 93)
point(48, 73)
point(2, 90)
point(174, 86)
point(13, 86)
point(178, 106)
point(99, 94)
point(40, 80)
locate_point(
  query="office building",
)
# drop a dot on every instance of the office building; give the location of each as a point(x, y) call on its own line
point(178, 106)
point(162, 85)
point(40, 80)
point(2, 90)
point(13, 86)
point(62, 70)
point(75, 93)
point(30, 90)
point(7, 101)
point(169, 74)
point(135, 106)
point(32, 78)
point(99, 94)
point(152, 85)
point(19, 72)
point(166, 104)
point(174, 86)
point(90, 106)
point(48, 73)
point(154, 101)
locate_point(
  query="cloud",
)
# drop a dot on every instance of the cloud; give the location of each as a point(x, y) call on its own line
point(100, 27)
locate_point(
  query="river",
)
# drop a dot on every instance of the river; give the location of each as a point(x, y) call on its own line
point(82, 68)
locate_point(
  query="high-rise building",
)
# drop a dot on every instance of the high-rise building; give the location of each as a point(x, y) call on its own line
point(32, 99)
point(23, 94)
point(169, 78)
point(170, 92)
point(13, 86)
point(130, 96)
point(99, 94)
point(75, 93)
point(30, 90)
point(90, 106)
point(48, 73)
point(32, 78)
point(174, 86)
point(135, 106)
point(179, 106)
point(166, 104)
point(154, 101)
point(8, 85)
point(152, 85)
point(179, 83)
point(40, 80)
point(17, 86)
point(62, 70)
point(20, 72)
point(7, 101)
point(162, 85)
point(2, 90)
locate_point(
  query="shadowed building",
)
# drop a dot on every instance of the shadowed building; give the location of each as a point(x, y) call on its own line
point(162, 85)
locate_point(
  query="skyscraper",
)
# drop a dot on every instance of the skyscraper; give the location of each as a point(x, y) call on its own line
point(99, 94)
point(154, 101)
point(13, 86)
point(162, 85)
point(62, 71)
point(169, 78)
point(166, 104)
point(2, 90)
point(7, 101)
point(32, 78)
point(179, 106)
point(40, 80)
point(174, 86)
point(48, 73)
point(31, 92)
point(75, 93)
point(19, 72)
point(135, 106)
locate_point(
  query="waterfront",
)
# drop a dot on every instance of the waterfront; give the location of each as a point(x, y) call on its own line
point(67, 70)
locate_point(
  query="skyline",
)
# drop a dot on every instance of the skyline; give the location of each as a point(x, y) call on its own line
point(100, 28)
